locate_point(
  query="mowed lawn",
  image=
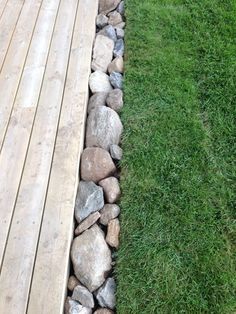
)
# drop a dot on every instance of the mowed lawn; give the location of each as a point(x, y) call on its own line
point(178, 240)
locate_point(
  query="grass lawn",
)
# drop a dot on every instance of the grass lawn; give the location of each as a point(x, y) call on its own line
point(178, 242)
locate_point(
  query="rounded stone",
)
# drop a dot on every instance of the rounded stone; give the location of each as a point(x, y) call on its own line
point(117, 65)
point(106, 6)
point(119, 48)
point(101, 20)
point(111, 189)
point(104, 311)
point(91, 258)
point(96, 164)
point(99, 82)
point(83, 296)
point(116, 80)
point(116, 152)
point(114, 99)
point(109, 212)
point(106, 294)
point(96, 100)
point(109, 31)
point(114, 18)
point(72, 283)
point(103, 128)
point(102, 53)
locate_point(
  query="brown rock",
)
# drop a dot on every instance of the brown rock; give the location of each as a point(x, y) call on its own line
point(117, 65)
point(120, 25)
point(106, 6)
point(114, 18)
point(87, 223)
point(115, 99)
point(96, 164)
point(72, 283)
point(113, 232)
point(96, 100)
point(104, 311)
point(109, 212)
point(111, 189)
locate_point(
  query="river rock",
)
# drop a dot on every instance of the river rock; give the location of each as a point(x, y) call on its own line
point(87, 223)
point(106, 6)
point(99, 82)
point(114, 18)
point(109, 212)
point(113, 231)
point(109, 31)
point(83, 296)
point(96, 100)
point(116, 80)
point(102, 53)
point(114, 99)
point(120, 33)
point(101, 20)
point(104, 311)
point(72, 283)
point(73, 307)
point(96, 164)
point(89, 200)
point(117, 65)
point(121, 8)
point(103, 128)
point(106, 294)
point(116, 152)
point(119, 48)
point(91, 258)
point(111, 189)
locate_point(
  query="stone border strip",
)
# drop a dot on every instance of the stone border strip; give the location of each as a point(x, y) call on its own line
point(91, 286)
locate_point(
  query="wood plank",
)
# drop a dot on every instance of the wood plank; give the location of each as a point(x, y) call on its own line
point(52, 261)
point(17, 270)
point(21, 121)
point(15, 60)
point(3, 4)
point(8, 23)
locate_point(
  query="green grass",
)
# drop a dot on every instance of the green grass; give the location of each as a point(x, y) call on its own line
point(178, 241)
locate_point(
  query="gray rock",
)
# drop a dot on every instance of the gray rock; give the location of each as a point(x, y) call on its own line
point(116, 80)
point(109, 31)
point(83, 296)
point(120, 33)
point(73, 307)
point(106, 294)
point(91, 258)
point(87, 223)
point(96, 164)
point(114, 99)
point(111, 189)
point(119, 48)
point(106, 6)
point(104, 311)
point(102, 53)
point(116, 152)
point(101, 20)
point(103, 128)
point(117, 65)
point(120, 25)
point(89, 200)
point(99, 82)
point(109, 212)
point(114, 18)
point(96, 100)
point(121, 7)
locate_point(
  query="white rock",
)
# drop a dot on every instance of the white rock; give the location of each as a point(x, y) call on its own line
point(91, 258)
point(99, 82)
point(106, 294)
point(103, 128)
point(117, 65)
point(102, 53)
point(83, 296)
point(111, 189)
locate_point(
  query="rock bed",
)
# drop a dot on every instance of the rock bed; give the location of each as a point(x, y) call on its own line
point(91, 286)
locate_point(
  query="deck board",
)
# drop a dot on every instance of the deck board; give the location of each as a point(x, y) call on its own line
point(41, 147)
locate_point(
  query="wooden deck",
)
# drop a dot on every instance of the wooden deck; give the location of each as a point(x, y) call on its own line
point(45, 54)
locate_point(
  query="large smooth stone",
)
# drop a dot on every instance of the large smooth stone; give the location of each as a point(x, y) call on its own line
point(103, 128)
point(73, 307)
point(89, 200)
point(106, 6)
point(99, 82)
point(96, 164)
point(102, 53)
point(91, 258)
point(106, 294)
